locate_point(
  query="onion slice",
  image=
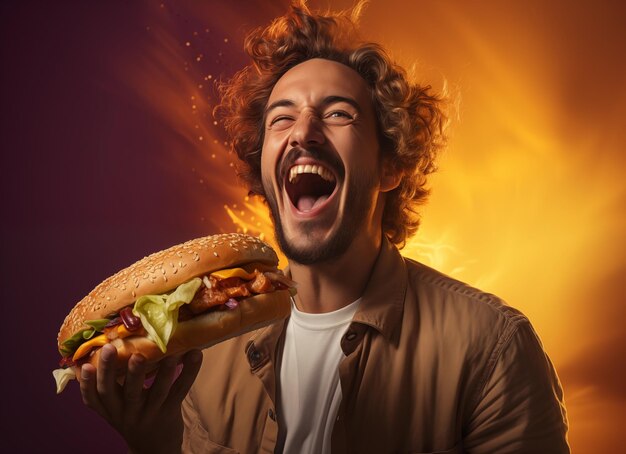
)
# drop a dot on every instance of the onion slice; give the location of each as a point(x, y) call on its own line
point(114, 322)
point(206, 281)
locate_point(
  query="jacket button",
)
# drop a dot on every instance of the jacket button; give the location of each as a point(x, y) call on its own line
point(351, 335)
point(254, 356)
point(271, 414)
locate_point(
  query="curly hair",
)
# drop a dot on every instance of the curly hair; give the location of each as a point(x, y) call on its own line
point(410, 119)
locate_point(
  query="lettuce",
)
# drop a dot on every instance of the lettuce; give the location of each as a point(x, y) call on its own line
point(62, 377)
point(98, 324)
point(159, 313)
point(71, 344)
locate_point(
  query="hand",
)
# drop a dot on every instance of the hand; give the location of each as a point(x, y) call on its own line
point(149, 419)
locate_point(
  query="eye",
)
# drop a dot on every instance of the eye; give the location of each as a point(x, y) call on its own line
point(280, 120)
point(339, 114)
point(338, 117)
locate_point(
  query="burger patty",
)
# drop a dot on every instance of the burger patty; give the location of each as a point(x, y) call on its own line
point(221, 290)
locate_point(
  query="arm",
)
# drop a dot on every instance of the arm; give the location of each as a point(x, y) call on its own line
point(520, 405)
point(149, 420)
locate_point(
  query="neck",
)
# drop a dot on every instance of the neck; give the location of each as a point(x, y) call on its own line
point(329, 286)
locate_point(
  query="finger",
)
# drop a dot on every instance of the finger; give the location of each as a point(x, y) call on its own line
point(89, 391)
point(107, 386)
point(162, 383)
point(191, 365)
point(133, 386)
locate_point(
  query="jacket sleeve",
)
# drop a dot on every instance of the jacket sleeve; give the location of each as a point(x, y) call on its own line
point(519, 408)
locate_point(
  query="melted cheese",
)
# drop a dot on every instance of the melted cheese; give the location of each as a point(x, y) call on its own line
point(233, 272)
point(99, 341)
point(86, 347)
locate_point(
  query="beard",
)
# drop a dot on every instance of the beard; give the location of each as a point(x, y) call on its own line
point(360, 197)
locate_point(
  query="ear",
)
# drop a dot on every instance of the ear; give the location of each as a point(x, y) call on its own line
point(390, 177)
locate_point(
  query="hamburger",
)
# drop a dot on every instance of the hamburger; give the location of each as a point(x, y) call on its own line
point(192, 295)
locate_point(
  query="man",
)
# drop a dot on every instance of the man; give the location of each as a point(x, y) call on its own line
point(380, 354)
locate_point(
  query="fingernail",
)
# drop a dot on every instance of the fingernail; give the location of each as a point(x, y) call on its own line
point(179, 369)
point(148, 382)
point(84, 373)
point(107, 353)
point(139, 359)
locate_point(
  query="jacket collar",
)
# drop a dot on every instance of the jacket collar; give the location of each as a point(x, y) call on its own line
point(382, 303)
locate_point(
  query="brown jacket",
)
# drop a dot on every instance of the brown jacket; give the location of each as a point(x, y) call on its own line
point(432, 366)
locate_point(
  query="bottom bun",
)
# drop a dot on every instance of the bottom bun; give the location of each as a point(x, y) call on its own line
point(205, 330)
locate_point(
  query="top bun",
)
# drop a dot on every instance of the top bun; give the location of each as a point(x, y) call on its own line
point(164, 271)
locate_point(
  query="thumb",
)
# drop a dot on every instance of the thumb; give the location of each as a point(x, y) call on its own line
point(191, 366)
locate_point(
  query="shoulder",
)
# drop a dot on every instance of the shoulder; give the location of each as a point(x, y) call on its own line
point(471, 326)
point(457, 317)
point(437, 293)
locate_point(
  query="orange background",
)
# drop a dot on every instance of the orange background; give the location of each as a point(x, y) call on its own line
point(109, 152)
point(530, 199)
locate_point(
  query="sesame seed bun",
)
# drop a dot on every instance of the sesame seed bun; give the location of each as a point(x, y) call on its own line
point(163, 271)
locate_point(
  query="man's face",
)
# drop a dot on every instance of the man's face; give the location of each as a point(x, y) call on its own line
point(320, 160)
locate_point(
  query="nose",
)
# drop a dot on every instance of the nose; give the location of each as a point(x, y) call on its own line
point(307, 130)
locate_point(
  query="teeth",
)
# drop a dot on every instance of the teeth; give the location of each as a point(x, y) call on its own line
point(315, 169)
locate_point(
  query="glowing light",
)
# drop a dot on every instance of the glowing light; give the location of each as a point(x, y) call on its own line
point(529, 201)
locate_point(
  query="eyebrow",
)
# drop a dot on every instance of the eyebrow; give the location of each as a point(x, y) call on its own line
point(328, 100)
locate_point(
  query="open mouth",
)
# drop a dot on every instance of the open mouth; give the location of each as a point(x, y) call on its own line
point(309, 186)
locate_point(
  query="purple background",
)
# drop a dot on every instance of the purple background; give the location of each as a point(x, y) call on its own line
point(84, 194)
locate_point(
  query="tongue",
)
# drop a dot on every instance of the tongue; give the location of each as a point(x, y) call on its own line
point(307, 203)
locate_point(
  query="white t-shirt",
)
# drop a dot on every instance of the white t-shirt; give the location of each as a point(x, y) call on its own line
point(310, 391)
